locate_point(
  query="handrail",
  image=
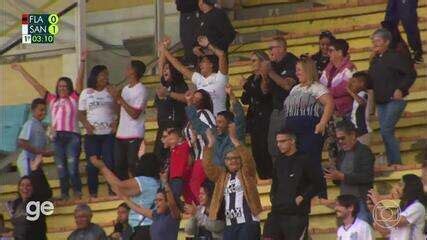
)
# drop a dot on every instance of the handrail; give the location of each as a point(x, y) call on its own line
point(18, 39)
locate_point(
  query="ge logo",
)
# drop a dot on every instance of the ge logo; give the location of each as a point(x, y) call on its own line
point(34, 209)
point(386, 214)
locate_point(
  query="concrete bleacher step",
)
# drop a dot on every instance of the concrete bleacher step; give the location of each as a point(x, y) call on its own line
point(104, 212)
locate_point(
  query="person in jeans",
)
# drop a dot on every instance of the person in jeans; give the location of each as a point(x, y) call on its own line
point(257, 94)
point(141, 190)
point(294, 185)
point(33, 139)
point(281, 70)
point(189, 26)
point(32, 187)
point(85, 228)
point(63, 106)
point(98, 114)
point(347, 209)
point(199, 225)
point(213, 75)
point(321, 58)
point(307, 111)
point(391, 75)
point(354, 172)
point(235, 189)
point(130, 133)
point(406, 12)
point(169, 101)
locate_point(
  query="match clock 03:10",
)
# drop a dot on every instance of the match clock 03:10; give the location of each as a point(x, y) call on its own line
point(39, 38)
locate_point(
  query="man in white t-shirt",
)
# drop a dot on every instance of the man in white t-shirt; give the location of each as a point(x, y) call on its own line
point(346, 208)
point(131, 129)
point(211, 79)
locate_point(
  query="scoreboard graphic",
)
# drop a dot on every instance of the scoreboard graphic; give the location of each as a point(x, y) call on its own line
point(39, 28)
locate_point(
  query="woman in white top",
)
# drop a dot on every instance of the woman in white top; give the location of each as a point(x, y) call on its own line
point(98, 113)
point(213, 74)
point(408, 224)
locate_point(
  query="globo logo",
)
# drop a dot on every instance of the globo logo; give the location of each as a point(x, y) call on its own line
point(34, 208)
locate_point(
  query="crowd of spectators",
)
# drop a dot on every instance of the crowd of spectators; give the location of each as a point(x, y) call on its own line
point(200, 167)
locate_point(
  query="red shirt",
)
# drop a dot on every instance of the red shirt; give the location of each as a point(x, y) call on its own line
point(179, 160)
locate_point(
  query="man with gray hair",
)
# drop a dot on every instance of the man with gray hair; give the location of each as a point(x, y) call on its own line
point(86, 230)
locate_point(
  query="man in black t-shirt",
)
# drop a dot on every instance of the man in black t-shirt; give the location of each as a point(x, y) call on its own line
point(281, 71)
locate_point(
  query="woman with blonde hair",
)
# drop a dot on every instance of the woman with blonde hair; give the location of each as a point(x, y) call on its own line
point(256, 94)
point(308, 109)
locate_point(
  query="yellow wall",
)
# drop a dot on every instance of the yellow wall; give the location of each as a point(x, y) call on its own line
point(15, 90)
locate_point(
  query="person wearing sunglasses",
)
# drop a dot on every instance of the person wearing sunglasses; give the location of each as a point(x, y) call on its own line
point(354, 171)
point(235, 189)
point(257, 94)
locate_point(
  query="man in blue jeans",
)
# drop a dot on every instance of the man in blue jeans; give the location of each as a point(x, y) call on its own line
point(354, 171)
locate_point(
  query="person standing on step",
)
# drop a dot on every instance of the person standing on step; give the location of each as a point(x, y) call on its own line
point(294, 185)
point(215, 25)
point(33, 139)
point(131, 129)
point(63, 104)
point(281, 71)
point(169, 101)
point(336, 77)
point(189, 24)
point(307, 111)
point(353, 228)
point(257, 94)
point(321, 58)
point(391, 76)
point(98, 114)
point(354, 172)
point(235, 189)
point(213, 76)
point(406, 12)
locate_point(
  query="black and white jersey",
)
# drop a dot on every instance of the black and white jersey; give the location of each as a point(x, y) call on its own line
point(237, 210)
point(360, 115)
point(197, 141)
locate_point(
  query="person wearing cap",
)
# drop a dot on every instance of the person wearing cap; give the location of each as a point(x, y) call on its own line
point(321, 58)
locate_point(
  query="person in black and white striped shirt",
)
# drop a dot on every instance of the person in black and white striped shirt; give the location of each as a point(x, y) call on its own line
point(203, 103)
